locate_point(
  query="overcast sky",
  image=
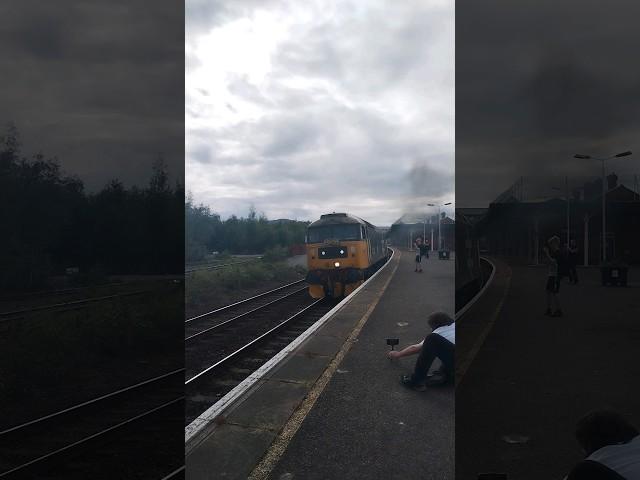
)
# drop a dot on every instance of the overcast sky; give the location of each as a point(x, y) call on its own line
point(97, 84)
point(303, 108)
point(538, 81)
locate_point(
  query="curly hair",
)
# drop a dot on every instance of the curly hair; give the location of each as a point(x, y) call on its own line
point(601, 428)
point(439, 319)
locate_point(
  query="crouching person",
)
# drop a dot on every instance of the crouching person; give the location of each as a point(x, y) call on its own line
point(440, 343)
point(612, 446)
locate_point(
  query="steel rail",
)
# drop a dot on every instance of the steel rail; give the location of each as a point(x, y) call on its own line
point(89, 438)
point(174, 473)
point(73, 303)
point(92, 401)
point(52, 293)
point(216, 267)
point(252, 342)
point(226, 307)
point(243, 314)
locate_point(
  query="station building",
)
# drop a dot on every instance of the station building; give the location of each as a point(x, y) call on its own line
point(517, 228)
point(409, 227)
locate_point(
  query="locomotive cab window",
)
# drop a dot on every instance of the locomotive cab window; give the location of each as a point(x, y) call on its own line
point(333, 232)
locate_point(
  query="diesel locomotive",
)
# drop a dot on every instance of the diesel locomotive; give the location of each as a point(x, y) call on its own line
point(342, 252)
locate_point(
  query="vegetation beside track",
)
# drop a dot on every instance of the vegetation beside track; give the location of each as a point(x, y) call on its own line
point(210, 289)
point(206, 232)
point(52, 360)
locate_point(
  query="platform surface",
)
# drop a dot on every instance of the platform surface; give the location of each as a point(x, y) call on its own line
point(535, 376)
point(366, 424)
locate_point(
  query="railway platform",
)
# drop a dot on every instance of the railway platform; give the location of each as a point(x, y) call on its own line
point(525, 379)
point(335, 407)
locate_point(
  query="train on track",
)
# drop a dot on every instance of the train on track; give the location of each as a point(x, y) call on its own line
point(342, 252)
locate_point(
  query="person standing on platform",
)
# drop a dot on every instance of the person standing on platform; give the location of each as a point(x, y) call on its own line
point(424, 251)
point(440, 343)
point(553, 254)
point(418, 245)
point(612, 446)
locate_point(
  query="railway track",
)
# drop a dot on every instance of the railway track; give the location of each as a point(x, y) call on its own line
point(198, 268)
point(19, 300)
point(230, 343)
point(64, 306)
point(200, 322)
point(52, 293)
point(36, 445)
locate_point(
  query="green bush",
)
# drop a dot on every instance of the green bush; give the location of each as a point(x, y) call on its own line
point(223, 256)
point(276, 253)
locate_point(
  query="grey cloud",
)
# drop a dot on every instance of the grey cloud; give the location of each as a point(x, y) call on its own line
point(200, 154)
point(370, 56)
point(240, 86)
point(354, 173)
point(427, 182)
point(324, 140)
point(97, 85)
point(538, 82)
point(203, 15)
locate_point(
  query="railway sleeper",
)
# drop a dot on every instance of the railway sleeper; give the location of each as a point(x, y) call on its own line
point(268, 351)
point(285, 337)
point(226, 382)
point(294, 332)
point(252, 361)
point(240, 371)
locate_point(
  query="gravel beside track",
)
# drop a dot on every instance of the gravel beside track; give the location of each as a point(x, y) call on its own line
point(36, 445)
point(221, 357)
point(206, 320)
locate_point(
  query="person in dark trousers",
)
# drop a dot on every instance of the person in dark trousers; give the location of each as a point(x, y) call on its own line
point(423, 250)
point(553, 257)
point(440, 343)
point(572, 257)
point(419, 245)
point(612, 446)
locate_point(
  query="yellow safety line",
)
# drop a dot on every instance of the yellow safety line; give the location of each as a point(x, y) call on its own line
point(279, 445)
point(461, 370)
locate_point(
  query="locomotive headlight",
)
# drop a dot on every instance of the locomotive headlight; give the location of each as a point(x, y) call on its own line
point(336, 264)
point(341, 252)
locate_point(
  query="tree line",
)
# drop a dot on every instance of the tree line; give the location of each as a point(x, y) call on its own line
point(50, 223)
point(206, 232)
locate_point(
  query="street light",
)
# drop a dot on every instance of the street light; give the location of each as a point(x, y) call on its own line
point(438, 205)
point(566, 186)
point(604, 193)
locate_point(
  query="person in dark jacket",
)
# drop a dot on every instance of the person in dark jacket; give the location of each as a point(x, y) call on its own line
point(554, 262)
point(420, 248)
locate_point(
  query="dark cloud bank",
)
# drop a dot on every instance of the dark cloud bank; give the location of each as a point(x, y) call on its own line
point(537, 82)
point(97, 84)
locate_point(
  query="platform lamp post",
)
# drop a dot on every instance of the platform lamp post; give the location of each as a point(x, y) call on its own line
point(604, 194)
point(424, 232)
point(566, 186)
point(439, 205)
